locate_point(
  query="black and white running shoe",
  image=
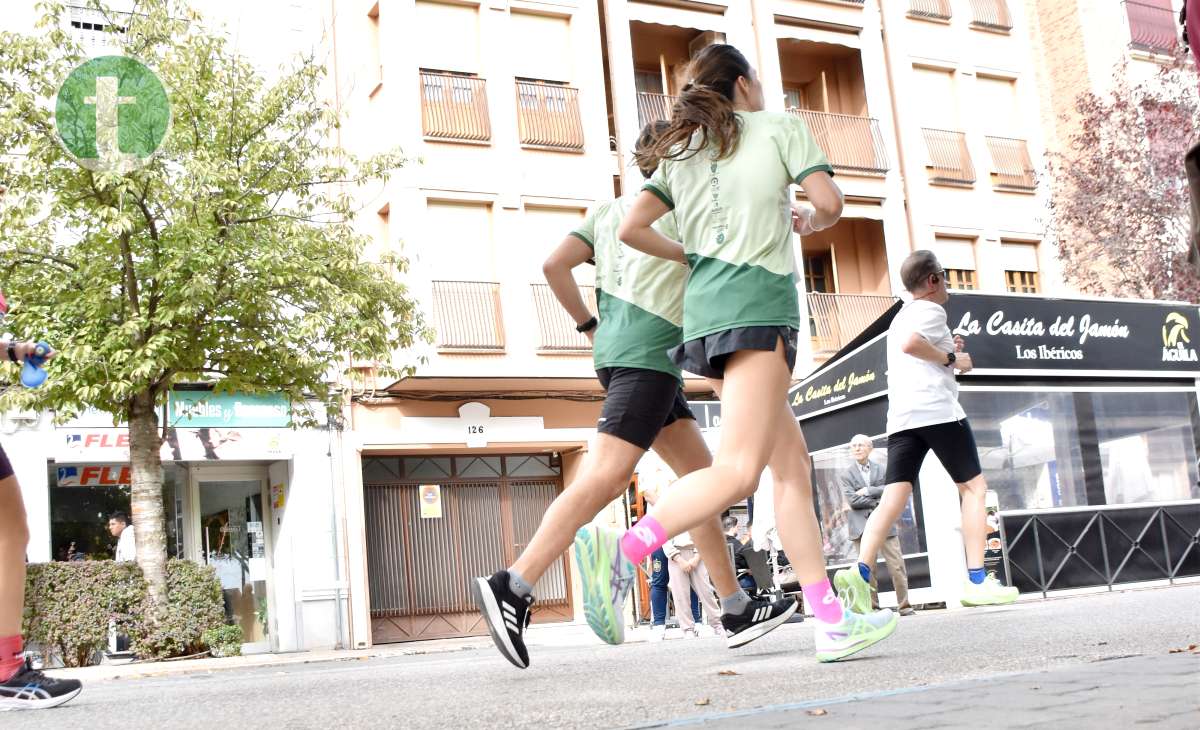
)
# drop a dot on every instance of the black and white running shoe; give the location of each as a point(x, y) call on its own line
point(507, 615)
point(29, 689)
point(759, 619)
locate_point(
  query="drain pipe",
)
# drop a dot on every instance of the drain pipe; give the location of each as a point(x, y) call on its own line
point(891, 77)
point(333, 533)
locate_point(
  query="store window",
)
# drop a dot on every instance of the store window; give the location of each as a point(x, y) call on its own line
point(82, 496)
point(1029, 447)
point(1147, 446)
point(1033, 446)
point(830, 468)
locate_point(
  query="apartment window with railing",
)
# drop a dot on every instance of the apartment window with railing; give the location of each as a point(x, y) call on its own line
point(1020, 266)
point(929, 9)
point(991, 15)
point(454, 107)
point(999, 116)
point(948, 161)
point(97, 31)
point(1152, 26)
point(852, 143)
point(957, 256)
point(949, 158)
point(555, 327)
point(548, 115)
point(456, 252)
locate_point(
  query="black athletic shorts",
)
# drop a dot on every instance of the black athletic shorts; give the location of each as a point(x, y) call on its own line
point(707, 355)
point(953, 443)
point(639, 403)
point(6, 469)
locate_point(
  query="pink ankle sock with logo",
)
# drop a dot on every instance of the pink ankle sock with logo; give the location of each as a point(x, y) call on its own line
point(10, 657)
point(642, 539)
point(823, 601)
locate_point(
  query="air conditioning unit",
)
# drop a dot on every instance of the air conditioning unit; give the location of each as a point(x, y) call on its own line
point(707, 38)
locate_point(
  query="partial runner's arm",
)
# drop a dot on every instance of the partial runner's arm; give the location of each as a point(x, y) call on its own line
point(919, 347)
point(635, 230)
point(826, 198)
point(570, 253)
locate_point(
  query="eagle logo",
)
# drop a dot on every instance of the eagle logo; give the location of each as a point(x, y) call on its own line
point(1175, 330)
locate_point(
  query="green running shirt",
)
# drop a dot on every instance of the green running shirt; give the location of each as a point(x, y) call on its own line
point(640, 297)
point(734, 219)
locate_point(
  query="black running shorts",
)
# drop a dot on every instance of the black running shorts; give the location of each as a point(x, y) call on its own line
point(953, 443)
point(6, 469)
point(639, 403)
point(707, 355)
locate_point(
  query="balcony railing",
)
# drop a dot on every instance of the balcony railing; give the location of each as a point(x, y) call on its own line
point(948, 156)
point(556, 326)
point(937, 9)
point(852, 144)
point(991, 14)
point(548, 116)
point(653, 107)
point(454, 107)
point(838, 318)
point(1151, 27)
point(1012, 166)
point(467, 316)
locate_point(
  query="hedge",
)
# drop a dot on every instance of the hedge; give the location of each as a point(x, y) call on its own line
point(68, 607)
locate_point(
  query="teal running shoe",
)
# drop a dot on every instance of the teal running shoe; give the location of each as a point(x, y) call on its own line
point(607, 575)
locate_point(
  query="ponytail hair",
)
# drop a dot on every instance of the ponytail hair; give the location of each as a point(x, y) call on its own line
point(705, 103)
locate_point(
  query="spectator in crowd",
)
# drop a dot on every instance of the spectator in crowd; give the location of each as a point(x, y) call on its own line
point(862, 484)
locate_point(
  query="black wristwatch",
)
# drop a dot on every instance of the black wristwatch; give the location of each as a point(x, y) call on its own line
point(950, 358)
point(12, 351)
point(587, 326)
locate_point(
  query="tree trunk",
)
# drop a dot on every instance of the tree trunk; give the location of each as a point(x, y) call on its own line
point(146, 495)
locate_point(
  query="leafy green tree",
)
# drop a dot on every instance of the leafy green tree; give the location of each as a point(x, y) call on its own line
point(230, 257)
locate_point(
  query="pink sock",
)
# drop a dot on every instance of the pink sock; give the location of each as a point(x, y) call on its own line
point(823, 601)
point(10, 657)
point(642, 539)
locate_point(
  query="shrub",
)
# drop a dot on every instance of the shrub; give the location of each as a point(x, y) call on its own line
point(194, 605)
point(68, 607)
point(224, 640)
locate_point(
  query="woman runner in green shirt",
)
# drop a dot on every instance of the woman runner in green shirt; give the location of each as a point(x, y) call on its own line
point(726, 168)
point(640, 313)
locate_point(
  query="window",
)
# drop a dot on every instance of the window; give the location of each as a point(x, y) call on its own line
point(98, 32)
point(834, 507)
point(82, 496)
point(447, 36)
point(1020, 266)
point(544, 51)
point(957, 257)
point(648, 82)
point(543, 228)
point(454, 107)
point(1034, 446)
point(935, 89)
point(548, 115)
point(456, 242)
point(1152, 25)
point(374, 57)
point(818, 273)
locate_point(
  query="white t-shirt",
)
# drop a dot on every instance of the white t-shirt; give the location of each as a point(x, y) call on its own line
point(126, 545)
point(920, 393)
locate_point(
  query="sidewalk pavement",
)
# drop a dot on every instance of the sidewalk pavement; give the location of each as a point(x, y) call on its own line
point(1159, 690)
point(553, 635)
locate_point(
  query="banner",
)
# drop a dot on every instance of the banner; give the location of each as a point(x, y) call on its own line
point(859, 375)
point(1101, 336)
point(203, 408)
point(111, 445)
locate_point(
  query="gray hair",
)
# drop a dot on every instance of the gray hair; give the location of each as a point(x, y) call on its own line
point(917, 268)
point(862, 437)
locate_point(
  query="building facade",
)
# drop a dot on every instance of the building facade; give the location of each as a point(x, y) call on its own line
point(518, 115)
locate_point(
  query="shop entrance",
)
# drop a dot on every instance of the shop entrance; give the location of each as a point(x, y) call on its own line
point(233, 536)
point(435, 522)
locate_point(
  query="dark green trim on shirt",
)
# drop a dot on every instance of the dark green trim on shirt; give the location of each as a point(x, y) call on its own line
point(660, 195)
point(811, 170)
point(583, 237)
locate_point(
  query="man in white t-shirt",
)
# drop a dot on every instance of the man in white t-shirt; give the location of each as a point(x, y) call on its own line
point(924, 415)
point(119, 527)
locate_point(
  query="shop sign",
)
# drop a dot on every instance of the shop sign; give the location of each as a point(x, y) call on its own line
point(94, 475)
point(859, 375)
point(1031, 333)
point(77, 446)
point(202, 408)
point(431, 501)
point(993, 553)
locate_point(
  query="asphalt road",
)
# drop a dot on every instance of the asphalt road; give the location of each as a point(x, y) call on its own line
point(639, 684)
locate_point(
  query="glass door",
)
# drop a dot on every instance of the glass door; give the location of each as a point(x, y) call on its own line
point(233, 539)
